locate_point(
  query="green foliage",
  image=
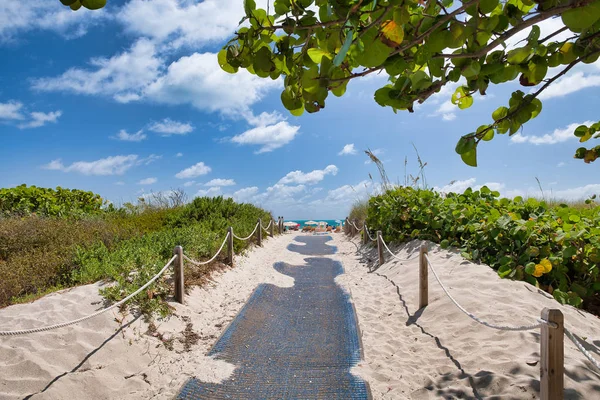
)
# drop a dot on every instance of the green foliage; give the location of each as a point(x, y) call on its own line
point(554, 248)
point(585, 133)
point(24, 200)
point(126, 245)
point(89, 4)
point(421, 46)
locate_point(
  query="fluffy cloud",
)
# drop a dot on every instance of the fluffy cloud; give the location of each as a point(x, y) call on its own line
point(558, 136)
point(198, 80)
point(122, 76)
point(14, 111)
point(11, 111)
point(40, 119)
point(269, 137)
point(347, 150)
point(220, 182)
point(570, 84)
point(210, 192)
point(147, 181)
point(17, 17)
point(456, 186)
point(189, 183)
point(129, 137)
point(169, 127)
point(178, 23)
point(309, 178)
point(193, 171)
point(113, 165)
point(245, 194)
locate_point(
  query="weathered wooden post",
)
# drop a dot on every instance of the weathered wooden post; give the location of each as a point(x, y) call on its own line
point(354, 227)
point(259, 233)
point(272, 227)
point(380, 248)
point(552, 355)
point(365, 235)
point(230, 246)
point(179, 284)
point(423, 277)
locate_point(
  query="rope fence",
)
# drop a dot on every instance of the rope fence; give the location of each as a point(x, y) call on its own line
point(551, 322)
point(176, 261)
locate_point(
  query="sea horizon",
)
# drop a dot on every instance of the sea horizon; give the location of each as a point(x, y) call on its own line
point(302, 222)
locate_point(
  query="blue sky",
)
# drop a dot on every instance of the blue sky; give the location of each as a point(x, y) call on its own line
point(130, 100)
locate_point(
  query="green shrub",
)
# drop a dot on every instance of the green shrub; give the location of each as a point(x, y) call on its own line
point(24, 200)
point(555, 248)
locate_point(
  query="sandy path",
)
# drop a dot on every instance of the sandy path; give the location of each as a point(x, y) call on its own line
point(441, 353)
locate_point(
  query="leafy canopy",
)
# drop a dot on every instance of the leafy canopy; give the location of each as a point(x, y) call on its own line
point(318, 46)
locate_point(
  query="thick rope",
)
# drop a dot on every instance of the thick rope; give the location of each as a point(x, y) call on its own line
point(198, 263)
point(395, 256)
point(268, 226)
point(247, 237)
point(355, 227)
point(581, 348)
point(63, 324)
point(369, 235)
point(476, 319)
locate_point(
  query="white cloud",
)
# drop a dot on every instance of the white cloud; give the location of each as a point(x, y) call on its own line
point(17, 17)
point(14, 111)
point(179, 155)
point(309, 178)
point(193, 171)
point(245, 194)
point(558, 136)
point(449, 116)
point(210, 192)
point(570, 84)
point(189, 183)
point(348, 149)
point(120, 183)
point(122, 76)
point(457, 186)
point(39, 119)
point(147, 181)
point(198, 80)
point(129, 137)
point(177, 23)
point(11, 110)
point(264, 118)
point(113, 165)
point(561, 164)
point(169, 127)
point(220, 182)
point(269, 137)
point(348, 193)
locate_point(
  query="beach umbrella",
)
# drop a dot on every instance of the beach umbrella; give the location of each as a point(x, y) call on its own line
point(322, 223)
point(311, 223)
point(290, 223)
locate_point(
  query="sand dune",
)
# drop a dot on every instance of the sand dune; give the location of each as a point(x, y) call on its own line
point(434, 353)
point(439, 352)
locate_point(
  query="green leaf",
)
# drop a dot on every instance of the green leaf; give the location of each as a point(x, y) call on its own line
point(580, 18)
point(316, 55)
point(487, 6)
point(249, 6)
point(375, 51)
point(222, 59)
point(470, 157)
point(465, 144)
point(519, 56)
point(93, 4)
point(501, 112)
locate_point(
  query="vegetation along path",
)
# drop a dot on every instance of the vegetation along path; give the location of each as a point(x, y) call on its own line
point(290, 343)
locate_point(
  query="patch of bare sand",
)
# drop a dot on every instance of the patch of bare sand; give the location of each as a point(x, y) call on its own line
point(439, 352)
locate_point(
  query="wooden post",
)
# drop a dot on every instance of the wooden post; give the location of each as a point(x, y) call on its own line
point(354, 226)
point(272, 227)
point(423, 278)
point(179, 287)
point(259, 233)
point(552, 356)
point(230, 246)
point(380, 248)
point(365, 235)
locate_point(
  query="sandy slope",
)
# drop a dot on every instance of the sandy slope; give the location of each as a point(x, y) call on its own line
point(104, 359)
point(439, 352)
point(435, 353)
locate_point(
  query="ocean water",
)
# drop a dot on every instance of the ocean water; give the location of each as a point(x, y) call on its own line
point(302, 222)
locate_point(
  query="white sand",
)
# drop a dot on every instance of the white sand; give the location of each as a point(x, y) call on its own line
point(440, 353)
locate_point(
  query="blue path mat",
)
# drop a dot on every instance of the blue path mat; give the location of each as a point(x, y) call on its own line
point(291, 343)
point(314, 245)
